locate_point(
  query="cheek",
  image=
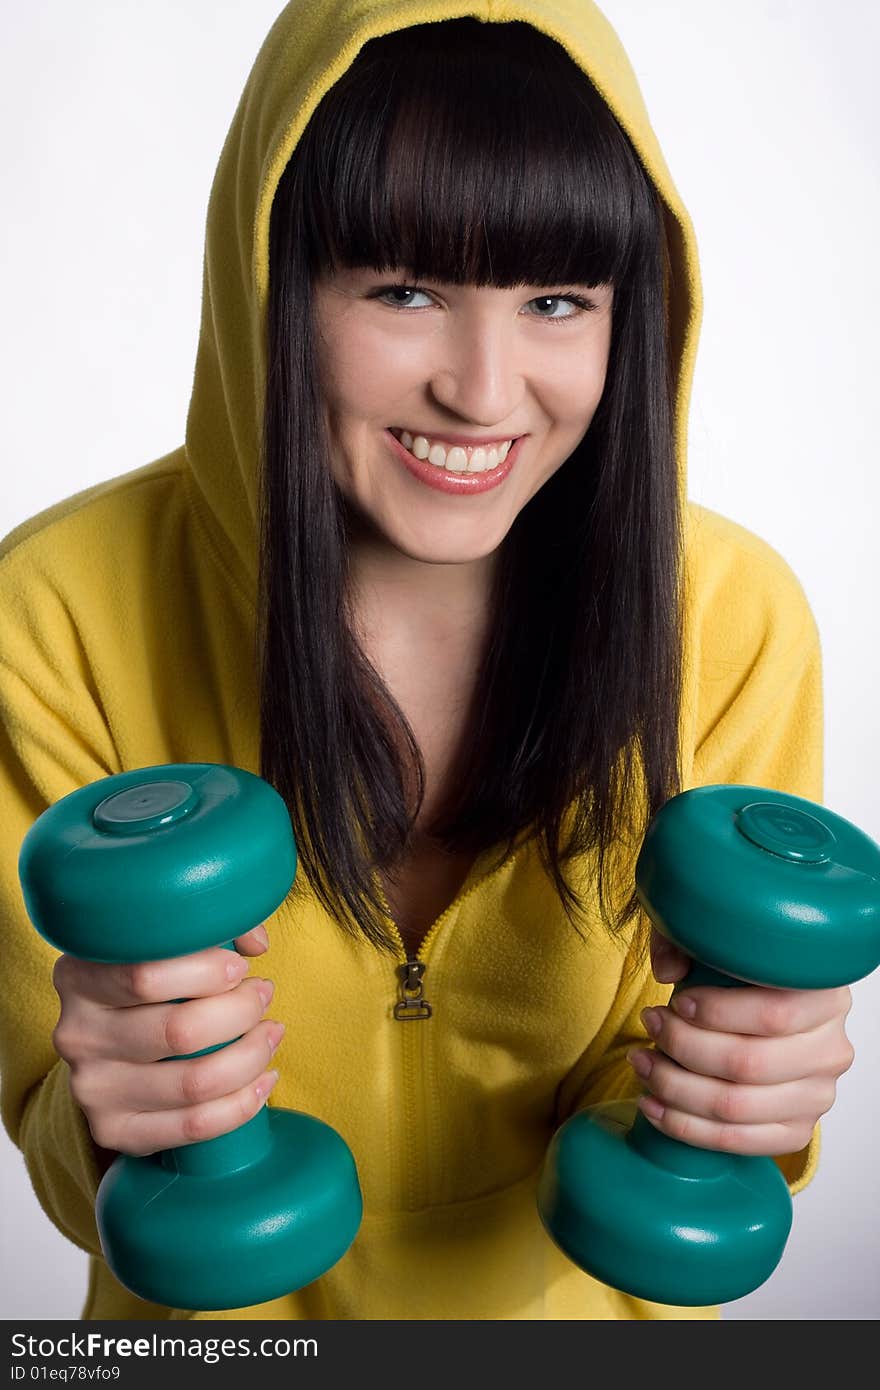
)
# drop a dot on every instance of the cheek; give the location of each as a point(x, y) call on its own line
point(578, 394)
point(364, 375)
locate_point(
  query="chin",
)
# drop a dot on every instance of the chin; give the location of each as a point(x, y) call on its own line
point(445, 551)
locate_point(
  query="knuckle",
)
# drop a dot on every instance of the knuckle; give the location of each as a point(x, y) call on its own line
point(196, 1125)
point(126, 1142)
point(829, 1097)
point(66, 1039)
point(730, 1139)
point(773, 1015)
point(747, 1065)
point(729, 1105)
point(178, 1031)
point(104, 1132)
point(129, 976)
point(848, 1056)
point(59, 1039)
point(139, 979)
point(681, 1126)
point(80, 1088)
point(197, 1083)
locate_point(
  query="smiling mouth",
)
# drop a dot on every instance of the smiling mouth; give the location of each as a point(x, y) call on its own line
point(455, 458)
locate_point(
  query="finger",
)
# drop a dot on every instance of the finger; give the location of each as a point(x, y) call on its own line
point(146, 982)
point(254, 942)
point(170, 1085)
point(766, 1139)
point(668, 963)
point(178, 1030)
point(147, 1132)
point(762, 1011)
point(731, 1102)
point(754, 1060)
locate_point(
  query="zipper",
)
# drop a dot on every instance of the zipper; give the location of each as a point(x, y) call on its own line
point(411, 1002)
point(419, 1111)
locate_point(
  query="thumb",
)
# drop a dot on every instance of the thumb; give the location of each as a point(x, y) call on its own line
point(668, 963)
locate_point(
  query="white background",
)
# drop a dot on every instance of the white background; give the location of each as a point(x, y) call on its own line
point(113, 118)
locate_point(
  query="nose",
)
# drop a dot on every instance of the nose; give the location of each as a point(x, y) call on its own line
point(477, 376)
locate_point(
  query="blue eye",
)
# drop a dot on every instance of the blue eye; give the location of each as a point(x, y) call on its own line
point(581, 305)
point(401, 290)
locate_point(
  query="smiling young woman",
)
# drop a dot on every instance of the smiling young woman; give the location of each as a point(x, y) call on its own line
point(473, 672)
point(412, 288)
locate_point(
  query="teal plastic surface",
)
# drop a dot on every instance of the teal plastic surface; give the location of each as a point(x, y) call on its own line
point(771, 888)
point(266, 1223)
point(161, 862)
point(659, 1219)
point(756, 886)
point(131, 868)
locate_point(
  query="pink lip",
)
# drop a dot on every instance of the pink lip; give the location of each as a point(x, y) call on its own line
point(459, 484)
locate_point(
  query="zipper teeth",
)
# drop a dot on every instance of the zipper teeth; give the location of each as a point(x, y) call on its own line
point(457, 902)
point(416, 1176)
point(416, 1163)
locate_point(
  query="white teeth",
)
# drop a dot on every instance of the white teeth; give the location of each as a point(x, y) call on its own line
point(437, 454)
point(455, 459)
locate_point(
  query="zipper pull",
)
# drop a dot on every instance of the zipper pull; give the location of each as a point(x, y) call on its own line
point(411, 1004)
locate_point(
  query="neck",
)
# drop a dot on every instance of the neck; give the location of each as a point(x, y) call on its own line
point(393, 594)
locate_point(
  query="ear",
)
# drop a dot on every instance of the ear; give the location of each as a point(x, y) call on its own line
point(668, 963)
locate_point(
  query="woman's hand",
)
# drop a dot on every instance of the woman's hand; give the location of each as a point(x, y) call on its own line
point(751, 1071)
point(118, 1023)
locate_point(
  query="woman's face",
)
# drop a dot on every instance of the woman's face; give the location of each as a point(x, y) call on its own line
point(454, 365)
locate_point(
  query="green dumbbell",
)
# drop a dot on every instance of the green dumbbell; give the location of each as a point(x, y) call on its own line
point(756, 886)
point(162, 862)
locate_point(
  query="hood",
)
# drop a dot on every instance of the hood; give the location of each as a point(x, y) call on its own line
point(309, 47)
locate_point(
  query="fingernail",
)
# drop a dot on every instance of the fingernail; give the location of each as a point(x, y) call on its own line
point(276, 1033)
point(236, 968)
point(683, 1005)
point(262, 936)
point(265, 989)
point(651, 1107)
point(651, 1020)
point(265, 1083)
point(640, 1061)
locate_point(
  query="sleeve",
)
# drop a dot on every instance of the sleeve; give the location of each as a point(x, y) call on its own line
point(603, 1073)
point(758, 720)
point(53, 739)
point(760, 709)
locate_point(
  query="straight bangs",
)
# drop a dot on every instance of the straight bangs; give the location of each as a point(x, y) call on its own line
point(429, 155)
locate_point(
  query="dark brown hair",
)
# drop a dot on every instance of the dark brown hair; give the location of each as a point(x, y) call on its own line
point(477, 153)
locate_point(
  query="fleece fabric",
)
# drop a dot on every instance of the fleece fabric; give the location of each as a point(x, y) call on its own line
point(128, 616)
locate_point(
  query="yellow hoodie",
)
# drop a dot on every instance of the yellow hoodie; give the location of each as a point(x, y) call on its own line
point(127, 641)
